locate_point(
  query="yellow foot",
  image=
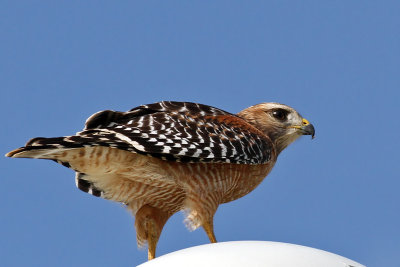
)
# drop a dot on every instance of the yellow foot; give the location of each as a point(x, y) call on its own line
point(209, 228)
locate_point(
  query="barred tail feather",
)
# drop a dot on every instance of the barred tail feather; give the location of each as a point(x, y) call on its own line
point(87, 154)
point(43, 148)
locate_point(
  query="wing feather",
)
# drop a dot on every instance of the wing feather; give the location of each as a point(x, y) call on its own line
point(175, 131)
point(181, 131)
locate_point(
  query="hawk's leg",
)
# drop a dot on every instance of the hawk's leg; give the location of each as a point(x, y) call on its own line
point(209, 228)
point(202, 207)
point(149, 223)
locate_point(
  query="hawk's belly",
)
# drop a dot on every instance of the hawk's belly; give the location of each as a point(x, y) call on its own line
point(133, 178)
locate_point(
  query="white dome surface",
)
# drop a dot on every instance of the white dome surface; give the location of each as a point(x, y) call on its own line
point(252, 254)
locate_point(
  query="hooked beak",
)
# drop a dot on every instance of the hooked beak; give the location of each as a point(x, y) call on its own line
point(306, 128)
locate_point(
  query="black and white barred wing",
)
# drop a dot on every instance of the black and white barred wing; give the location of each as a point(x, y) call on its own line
point(180, 131)
point(175, 131)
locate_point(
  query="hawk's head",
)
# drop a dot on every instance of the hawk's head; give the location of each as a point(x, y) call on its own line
point(281, 123)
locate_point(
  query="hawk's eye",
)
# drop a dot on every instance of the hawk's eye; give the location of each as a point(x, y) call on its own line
point(280, 114)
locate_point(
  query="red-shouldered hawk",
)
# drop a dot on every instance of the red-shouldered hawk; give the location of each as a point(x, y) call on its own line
point(169, 156)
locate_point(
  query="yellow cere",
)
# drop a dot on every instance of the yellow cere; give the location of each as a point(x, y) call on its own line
point(305, 122)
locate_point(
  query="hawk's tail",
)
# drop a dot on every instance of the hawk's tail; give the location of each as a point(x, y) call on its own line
point(45, 148)
point(69, 151)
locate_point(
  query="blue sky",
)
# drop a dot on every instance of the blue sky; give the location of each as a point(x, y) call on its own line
point(336, 62)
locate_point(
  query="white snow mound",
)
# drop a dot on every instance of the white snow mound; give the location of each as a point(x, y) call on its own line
point(251, 254)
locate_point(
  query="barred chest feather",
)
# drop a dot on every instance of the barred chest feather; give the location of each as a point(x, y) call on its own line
point(124, 176)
